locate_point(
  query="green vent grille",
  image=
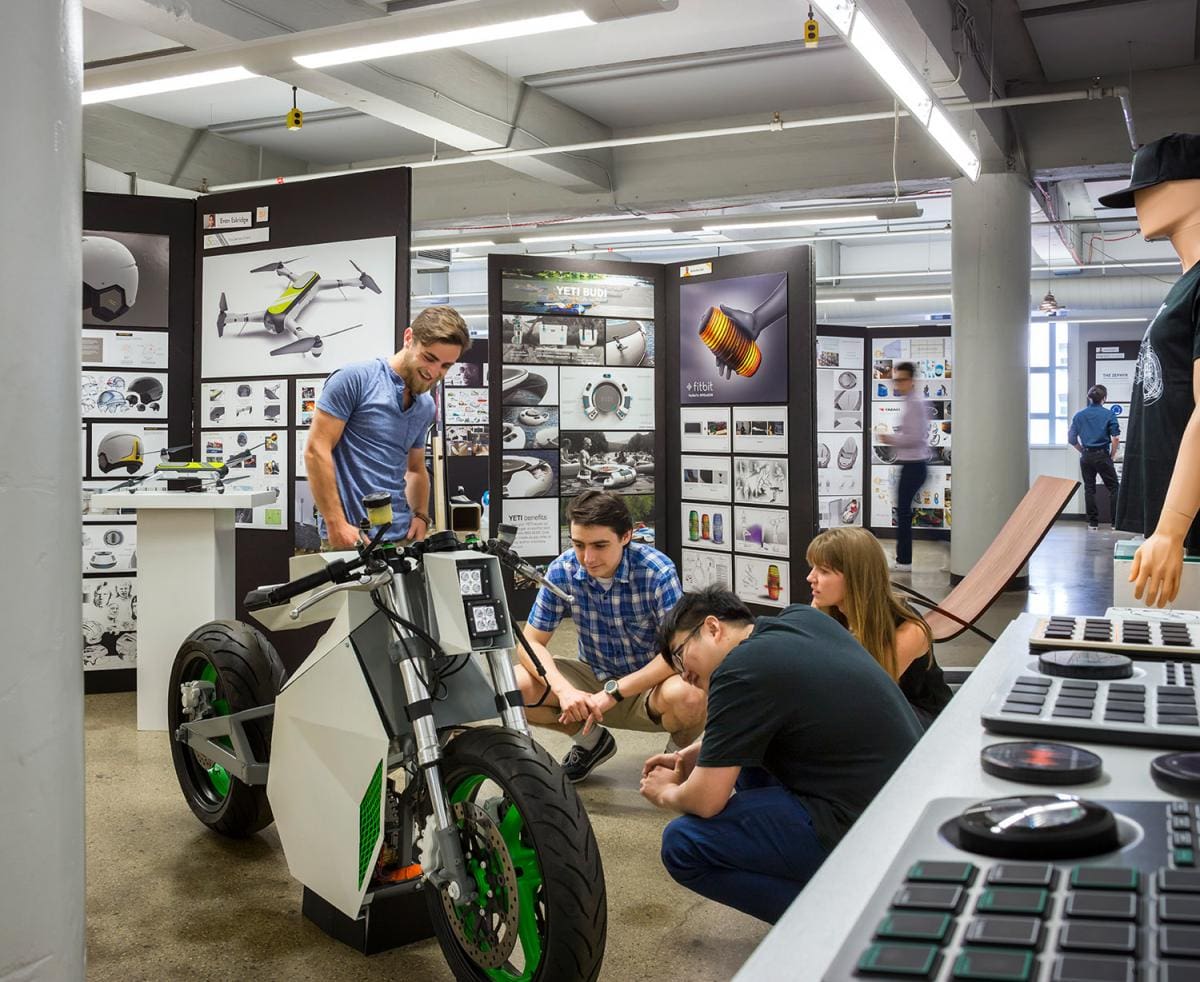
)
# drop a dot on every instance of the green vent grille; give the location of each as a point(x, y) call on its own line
point(369, 813)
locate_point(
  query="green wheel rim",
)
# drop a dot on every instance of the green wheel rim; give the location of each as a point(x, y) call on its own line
point(529, 882)
point(218, 777)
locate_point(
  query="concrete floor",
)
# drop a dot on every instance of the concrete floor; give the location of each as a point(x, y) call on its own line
point(166, 899)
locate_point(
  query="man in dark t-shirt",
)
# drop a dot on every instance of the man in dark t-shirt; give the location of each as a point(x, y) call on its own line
point(803, 724)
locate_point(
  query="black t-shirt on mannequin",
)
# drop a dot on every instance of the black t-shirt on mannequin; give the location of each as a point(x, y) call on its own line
point(1160, 409)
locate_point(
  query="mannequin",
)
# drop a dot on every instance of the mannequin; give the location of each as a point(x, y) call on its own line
point(1165, 414)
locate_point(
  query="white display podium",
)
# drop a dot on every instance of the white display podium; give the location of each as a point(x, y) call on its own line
point(185, 564)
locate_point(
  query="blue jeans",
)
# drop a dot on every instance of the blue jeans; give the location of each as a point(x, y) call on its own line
point(756, 855)
point(912, 476)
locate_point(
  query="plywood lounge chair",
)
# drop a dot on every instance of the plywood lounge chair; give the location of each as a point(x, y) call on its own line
point(1003, 559)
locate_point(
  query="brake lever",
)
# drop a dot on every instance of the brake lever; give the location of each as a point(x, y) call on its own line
point(365, 581)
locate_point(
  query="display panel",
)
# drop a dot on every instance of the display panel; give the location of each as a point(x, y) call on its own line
point(244, 402)
point(733, 344)
point(109, 623)
point(610, 460)
point(706, 525)
point(762, 581)
point(760, 480)
point(701, 569)
point(125, 395)
point(760, 429)
point(707, 478)
point(126, 280)
point(761, 531)
point(608, 398)
point(264, 469)
point(704, 429)
point(566, 293)
point(288, 311)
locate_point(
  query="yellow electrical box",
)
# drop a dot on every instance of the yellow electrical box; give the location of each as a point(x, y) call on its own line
point(812, 33)
point(294, 119)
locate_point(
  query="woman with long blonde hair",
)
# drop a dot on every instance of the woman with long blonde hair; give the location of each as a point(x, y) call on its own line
point(849, 581)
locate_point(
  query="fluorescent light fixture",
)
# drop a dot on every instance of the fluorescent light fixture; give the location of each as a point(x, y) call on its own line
point(886, 276)
point(853, 23)
point(594, 236)
point(447, 39)
point(918, 296)
point(447, 296)
point(798, 220)
point(953, 143)
point(835, 300)
point(889, 66)
point(1092, 320)
point(172, 83)
point(418, 246)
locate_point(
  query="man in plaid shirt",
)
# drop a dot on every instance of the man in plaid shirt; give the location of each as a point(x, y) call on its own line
point(622, 592)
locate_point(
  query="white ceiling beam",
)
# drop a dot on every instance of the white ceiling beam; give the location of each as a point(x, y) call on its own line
point(445, 95)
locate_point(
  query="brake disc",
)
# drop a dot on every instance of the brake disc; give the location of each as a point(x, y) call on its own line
point(494, 912)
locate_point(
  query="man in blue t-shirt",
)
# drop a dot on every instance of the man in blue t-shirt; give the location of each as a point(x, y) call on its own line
point(1096, 434)
point(622, 591)
point(368, 431)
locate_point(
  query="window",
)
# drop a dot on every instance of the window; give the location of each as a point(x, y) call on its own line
point(1049, 391)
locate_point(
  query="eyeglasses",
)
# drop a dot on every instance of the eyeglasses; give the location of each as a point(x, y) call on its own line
point(675, 655)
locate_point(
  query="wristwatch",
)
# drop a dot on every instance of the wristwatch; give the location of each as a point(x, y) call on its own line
point(612, 688)
point(423, 517)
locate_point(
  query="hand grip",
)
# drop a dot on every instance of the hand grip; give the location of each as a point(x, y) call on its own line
point(272, 596)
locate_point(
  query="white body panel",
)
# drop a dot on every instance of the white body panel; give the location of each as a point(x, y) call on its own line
point(326, 745)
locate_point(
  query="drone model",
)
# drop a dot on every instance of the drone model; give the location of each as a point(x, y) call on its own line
point(283, 316)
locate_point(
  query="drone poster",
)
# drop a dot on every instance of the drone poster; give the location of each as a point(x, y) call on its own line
point(245, 402)
point(297, 311)
point(733, 344)
point(265, 469)
point(125, 279)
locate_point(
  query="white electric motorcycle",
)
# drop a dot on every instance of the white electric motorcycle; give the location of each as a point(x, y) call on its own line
point(395, 809)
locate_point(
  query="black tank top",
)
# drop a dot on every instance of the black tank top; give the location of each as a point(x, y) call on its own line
point(924, 686)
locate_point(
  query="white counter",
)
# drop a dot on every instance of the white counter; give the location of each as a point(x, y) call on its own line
point(945, 764)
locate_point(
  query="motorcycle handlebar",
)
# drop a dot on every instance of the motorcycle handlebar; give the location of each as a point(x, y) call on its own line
point(337, 570)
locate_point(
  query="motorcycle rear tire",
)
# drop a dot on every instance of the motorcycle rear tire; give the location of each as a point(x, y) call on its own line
point(247, 673)
point(573, 903)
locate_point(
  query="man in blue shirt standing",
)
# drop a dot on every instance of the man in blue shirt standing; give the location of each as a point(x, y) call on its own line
point(1096, 435)
point(368, 431)
point(622, 591)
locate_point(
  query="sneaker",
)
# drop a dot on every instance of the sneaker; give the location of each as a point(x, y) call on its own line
point(900, 567)
point(580, 762)
point(1093, 528)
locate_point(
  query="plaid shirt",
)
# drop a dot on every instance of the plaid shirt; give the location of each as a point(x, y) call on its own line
point(616, 626)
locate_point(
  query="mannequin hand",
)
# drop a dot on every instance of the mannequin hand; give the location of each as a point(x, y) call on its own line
point(1157, 566)
point(745, 321)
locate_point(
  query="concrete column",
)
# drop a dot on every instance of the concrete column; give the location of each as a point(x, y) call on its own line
point(41, 676)
point(990, 258)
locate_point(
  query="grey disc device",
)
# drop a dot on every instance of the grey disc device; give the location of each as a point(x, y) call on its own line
point(1077, 664)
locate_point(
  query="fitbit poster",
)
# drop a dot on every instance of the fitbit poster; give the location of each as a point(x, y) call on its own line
point(733, 345)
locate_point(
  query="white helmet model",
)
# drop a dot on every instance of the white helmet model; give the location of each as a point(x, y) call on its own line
point(120, 449)
point(110, 277)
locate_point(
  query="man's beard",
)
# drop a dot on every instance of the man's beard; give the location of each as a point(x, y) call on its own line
point(413, 380)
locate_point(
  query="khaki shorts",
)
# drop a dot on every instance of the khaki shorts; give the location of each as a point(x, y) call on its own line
point(631, 713)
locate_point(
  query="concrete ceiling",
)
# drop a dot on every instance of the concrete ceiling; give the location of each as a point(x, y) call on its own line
point(707, 64)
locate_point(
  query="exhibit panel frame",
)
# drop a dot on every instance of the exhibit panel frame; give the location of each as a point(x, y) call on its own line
point(742, 436)
point(1113, 364)
point(136, 377)
point(585, 387)
point(931, 349)
point(343, 247)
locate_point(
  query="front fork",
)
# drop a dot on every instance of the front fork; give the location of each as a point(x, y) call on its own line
point(451, 872)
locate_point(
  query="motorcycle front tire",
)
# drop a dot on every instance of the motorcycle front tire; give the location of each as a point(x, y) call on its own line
point(571, 906)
